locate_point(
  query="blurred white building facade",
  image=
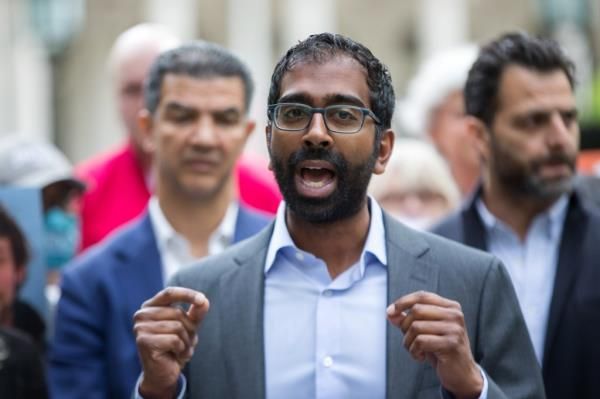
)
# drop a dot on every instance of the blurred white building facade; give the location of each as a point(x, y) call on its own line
point(62, 90)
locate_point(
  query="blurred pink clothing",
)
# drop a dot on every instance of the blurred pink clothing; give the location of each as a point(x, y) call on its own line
point(117, 191)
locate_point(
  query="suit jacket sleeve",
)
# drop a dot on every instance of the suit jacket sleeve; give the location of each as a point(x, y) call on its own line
point(502, 344)
point(77, 368)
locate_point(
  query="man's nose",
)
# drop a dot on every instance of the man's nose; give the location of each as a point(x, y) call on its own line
point(560, 133)
point(204, 133)
point(317, 134)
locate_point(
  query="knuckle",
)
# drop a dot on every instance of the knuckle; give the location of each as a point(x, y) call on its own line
point(180, 313)
point(455, 331)
point(138, 315)
point(457, 316)
point(179, 345)
point(454, 341)
point(417, 327)
point(456, 305)
point(421, 295)
point(417, 310)
point(419, 343)
point(137, 329)
point(141, 341)
point(169, 292)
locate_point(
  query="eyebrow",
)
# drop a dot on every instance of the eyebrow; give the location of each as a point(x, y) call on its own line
point(330, 99)
point(175, 106)
point(548, 111)
point(296, 98)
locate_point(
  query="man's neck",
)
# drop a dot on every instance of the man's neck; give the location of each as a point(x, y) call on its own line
point(339, 244)
point(516, 211)
point(196, 219)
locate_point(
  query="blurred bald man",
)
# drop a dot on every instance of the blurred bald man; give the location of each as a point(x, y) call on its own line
point(434, 108)
point(125, 171)
point(119, 182)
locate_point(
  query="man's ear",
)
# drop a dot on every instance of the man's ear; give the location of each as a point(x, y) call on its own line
point(145, 124)
point(250, 126)
point(20, 274)
point(386, 146)
point(480, 134)
point(268, 135)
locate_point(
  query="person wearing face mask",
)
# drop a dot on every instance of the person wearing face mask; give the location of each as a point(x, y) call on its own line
point(26, 162)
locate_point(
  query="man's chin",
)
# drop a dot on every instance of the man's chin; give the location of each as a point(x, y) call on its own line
point(313, 210)
point(552, 188)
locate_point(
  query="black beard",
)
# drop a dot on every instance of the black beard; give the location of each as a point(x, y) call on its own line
point(524, 180)
point(344, 202)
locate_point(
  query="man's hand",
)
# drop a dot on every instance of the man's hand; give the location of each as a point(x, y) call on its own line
point(166, 337)
point(434, 330)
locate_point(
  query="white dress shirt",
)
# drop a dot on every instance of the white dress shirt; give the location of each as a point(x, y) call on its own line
point(174, 249)
point(531, 263)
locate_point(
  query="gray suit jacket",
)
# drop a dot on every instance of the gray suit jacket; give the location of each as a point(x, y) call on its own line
point(229, 359)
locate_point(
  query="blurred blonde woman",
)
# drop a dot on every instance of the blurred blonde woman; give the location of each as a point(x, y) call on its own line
point(417, 187)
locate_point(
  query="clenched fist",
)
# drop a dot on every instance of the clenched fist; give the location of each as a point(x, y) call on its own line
point(434, 330)
point(166, 337)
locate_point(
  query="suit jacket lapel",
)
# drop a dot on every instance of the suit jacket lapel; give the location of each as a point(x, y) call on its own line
point(570, 259)
point(248, 223)
point(242, 321)
point(241, 225)
point(474, 233)
point(406, 273)
point(141, 262)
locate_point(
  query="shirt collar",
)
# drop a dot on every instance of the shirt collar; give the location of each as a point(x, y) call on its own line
point(165, 233)
point(374, 245)
point(554, 216)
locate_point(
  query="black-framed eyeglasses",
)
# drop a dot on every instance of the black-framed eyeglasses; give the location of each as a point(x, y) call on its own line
point(338, 118)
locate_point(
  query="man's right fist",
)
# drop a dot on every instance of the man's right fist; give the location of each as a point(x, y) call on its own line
point(165, 336)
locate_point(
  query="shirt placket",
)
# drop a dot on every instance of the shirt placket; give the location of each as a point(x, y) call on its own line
point(328, 337)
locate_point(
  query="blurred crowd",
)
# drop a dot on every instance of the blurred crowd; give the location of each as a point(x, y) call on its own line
point(110, 232)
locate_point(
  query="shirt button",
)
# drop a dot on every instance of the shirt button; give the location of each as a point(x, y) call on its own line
point(327, 361)
point(299, 256)
point(327, 293)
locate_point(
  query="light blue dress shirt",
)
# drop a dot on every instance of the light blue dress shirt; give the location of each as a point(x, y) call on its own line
point(324, 338)
point(531, 263)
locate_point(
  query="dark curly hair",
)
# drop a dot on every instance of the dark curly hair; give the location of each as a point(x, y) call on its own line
point(322, 47)
point(9, 229)
point(538, 53)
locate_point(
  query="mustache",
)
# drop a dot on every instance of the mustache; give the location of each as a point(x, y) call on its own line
point(556, 159)
point(322, 154)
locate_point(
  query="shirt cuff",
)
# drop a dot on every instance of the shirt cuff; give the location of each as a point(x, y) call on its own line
point(484, 391)
point(181, 386)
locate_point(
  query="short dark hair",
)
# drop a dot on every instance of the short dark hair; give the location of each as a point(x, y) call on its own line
point(322, 47)
point(9, 229)
point(197, 59)
point(541, 54)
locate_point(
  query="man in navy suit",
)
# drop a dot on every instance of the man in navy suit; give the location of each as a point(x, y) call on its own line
point(530, 210)
point(196, 124)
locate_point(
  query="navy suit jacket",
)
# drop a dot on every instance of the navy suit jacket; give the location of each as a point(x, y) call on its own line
point(571, 365)
point(93, 354)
